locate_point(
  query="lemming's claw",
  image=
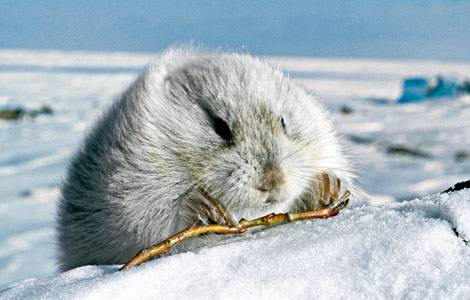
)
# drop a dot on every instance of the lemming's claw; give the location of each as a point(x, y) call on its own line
point(222, 215)
point(341, 203)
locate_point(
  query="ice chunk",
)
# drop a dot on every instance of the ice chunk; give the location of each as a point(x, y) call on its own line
point(422, 89)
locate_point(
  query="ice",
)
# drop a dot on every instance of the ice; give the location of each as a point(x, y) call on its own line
point(427, 89)
point(401, 250)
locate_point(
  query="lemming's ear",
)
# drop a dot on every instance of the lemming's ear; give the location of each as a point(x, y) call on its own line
point(198, 81)
point(187, 81)
point(175, 87)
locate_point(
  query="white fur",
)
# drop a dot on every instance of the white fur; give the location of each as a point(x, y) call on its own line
point(128, 186)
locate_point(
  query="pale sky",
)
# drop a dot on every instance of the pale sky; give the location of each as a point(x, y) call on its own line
point(367, 28)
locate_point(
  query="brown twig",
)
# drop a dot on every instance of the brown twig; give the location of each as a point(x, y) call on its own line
point(268, 220)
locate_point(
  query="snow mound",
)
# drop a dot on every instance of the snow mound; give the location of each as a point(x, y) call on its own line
point(413, 249)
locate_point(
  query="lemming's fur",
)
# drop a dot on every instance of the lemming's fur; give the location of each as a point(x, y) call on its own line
point(228, 123)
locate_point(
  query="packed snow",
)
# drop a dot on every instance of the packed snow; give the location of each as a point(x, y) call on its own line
point(400, 151)
point(413, 249)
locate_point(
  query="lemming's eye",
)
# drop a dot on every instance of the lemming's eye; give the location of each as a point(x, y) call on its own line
point(222, 129)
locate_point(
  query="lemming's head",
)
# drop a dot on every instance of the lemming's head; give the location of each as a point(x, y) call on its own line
point(245, 133)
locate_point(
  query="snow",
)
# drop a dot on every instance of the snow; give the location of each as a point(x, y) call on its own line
point(404, 250)
point(395, 248)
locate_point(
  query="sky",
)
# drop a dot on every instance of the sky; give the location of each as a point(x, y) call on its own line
point(335, 28)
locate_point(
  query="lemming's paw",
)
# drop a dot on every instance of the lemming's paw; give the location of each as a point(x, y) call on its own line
point(325, 192)
point(200, 208)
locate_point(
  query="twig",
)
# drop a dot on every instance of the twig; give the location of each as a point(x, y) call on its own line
point(268, 220)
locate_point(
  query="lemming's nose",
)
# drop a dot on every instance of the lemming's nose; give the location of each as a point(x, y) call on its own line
point(270, 180)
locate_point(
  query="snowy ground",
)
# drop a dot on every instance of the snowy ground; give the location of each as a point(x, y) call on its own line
point(34, 153)
point(403, 250)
